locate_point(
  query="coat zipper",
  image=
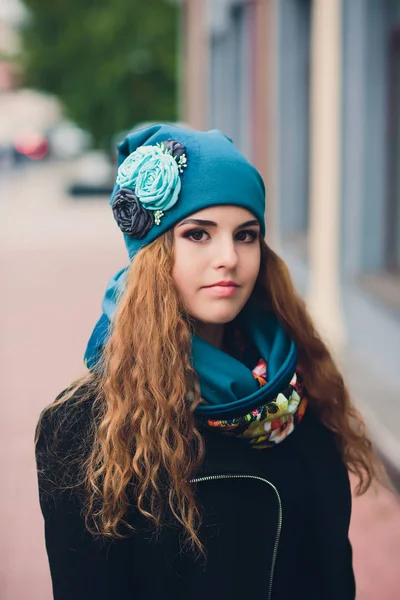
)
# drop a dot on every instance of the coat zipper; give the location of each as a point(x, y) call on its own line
point(278, 530)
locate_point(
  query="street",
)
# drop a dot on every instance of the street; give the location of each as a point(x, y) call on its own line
point(57, 255)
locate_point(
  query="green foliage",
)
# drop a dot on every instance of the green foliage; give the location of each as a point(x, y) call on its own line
point(112, 63)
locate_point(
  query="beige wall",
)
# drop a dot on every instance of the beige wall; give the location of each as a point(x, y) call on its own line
point(195, 64)
point(325, 121)
point(264, 118)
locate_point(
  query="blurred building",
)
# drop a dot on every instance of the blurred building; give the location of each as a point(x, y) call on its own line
point(310, 91)
point(12, 15)
point(26, 114)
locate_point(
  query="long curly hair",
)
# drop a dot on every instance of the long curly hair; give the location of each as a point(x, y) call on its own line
point(144, 437)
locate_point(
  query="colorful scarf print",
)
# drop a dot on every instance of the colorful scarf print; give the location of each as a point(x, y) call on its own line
point(271, 423)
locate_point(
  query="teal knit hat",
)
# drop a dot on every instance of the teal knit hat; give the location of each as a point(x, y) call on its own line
point(166, 173)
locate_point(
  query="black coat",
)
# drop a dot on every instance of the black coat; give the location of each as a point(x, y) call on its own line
point(275, 525)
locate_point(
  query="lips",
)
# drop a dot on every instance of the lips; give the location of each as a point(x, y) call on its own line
point(223, 284)
point(222, 289)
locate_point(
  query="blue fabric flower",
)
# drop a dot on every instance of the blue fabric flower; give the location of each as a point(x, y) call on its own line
point(153, 173)
point(128, 171)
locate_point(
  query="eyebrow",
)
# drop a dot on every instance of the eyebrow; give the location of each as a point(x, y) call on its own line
point(203, 223)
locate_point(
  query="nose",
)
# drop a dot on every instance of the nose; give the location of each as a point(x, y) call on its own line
point(226, 255)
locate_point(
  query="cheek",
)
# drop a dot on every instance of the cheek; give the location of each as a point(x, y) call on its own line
point(250, 265)
point(185, 269)
point(178, 275)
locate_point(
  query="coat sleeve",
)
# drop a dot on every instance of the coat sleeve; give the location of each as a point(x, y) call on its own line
point(82, 567)
point(332, 512)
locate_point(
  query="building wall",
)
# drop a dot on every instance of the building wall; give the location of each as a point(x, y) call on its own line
point(230, 73)
point(294, 20)
point(372, 327)
point(259, 94)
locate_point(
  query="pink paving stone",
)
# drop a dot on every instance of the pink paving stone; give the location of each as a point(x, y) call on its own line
point(375, 536)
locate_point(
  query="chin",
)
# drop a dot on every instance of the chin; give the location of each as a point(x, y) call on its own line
point(220, 317)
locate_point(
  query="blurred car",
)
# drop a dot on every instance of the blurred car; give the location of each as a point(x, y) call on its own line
point(29, 115)
point(93, 175)
point(30, 144)
point(67, 140)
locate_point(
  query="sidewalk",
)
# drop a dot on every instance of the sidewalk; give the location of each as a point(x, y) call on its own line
point(375, 537)
point(378, 400)
point(376, 515)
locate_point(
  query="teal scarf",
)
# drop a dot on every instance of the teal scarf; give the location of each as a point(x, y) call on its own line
point(259, 400)
point(227, 384)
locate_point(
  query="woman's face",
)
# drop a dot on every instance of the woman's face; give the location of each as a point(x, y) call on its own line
point(216, 262)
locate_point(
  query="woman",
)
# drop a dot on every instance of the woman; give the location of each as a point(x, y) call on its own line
point(206, 451)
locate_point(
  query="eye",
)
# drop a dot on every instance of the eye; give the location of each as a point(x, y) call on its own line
point(247, 236)
point(196, 235)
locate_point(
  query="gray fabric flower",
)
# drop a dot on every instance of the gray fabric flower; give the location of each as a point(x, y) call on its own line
point(132, 218)
point(175, 148)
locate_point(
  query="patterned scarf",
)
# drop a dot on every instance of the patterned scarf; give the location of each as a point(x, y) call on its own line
point(270, 423)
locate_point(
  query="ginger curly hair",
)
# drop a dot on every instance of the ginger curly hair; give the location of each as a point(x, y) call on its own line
point(143, 419)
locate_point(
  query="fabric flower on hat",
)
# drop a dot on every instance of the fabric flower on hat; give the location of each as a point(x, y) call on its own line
point(152, 173)
point(132, 218)
point(177, 150)
point(128, 171)
point(158, 182)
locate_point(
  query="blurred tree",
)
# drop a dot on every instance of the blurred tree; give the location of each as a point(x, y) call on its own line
point(111, 63)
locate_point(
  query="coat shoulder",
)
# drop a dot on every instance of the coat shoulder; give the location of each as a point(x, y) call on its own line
point(63, 437)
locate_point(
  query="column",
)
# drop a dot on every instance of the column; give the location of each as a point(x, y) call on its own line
point(264, 138)
point(325, 177)
point(196, 64)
